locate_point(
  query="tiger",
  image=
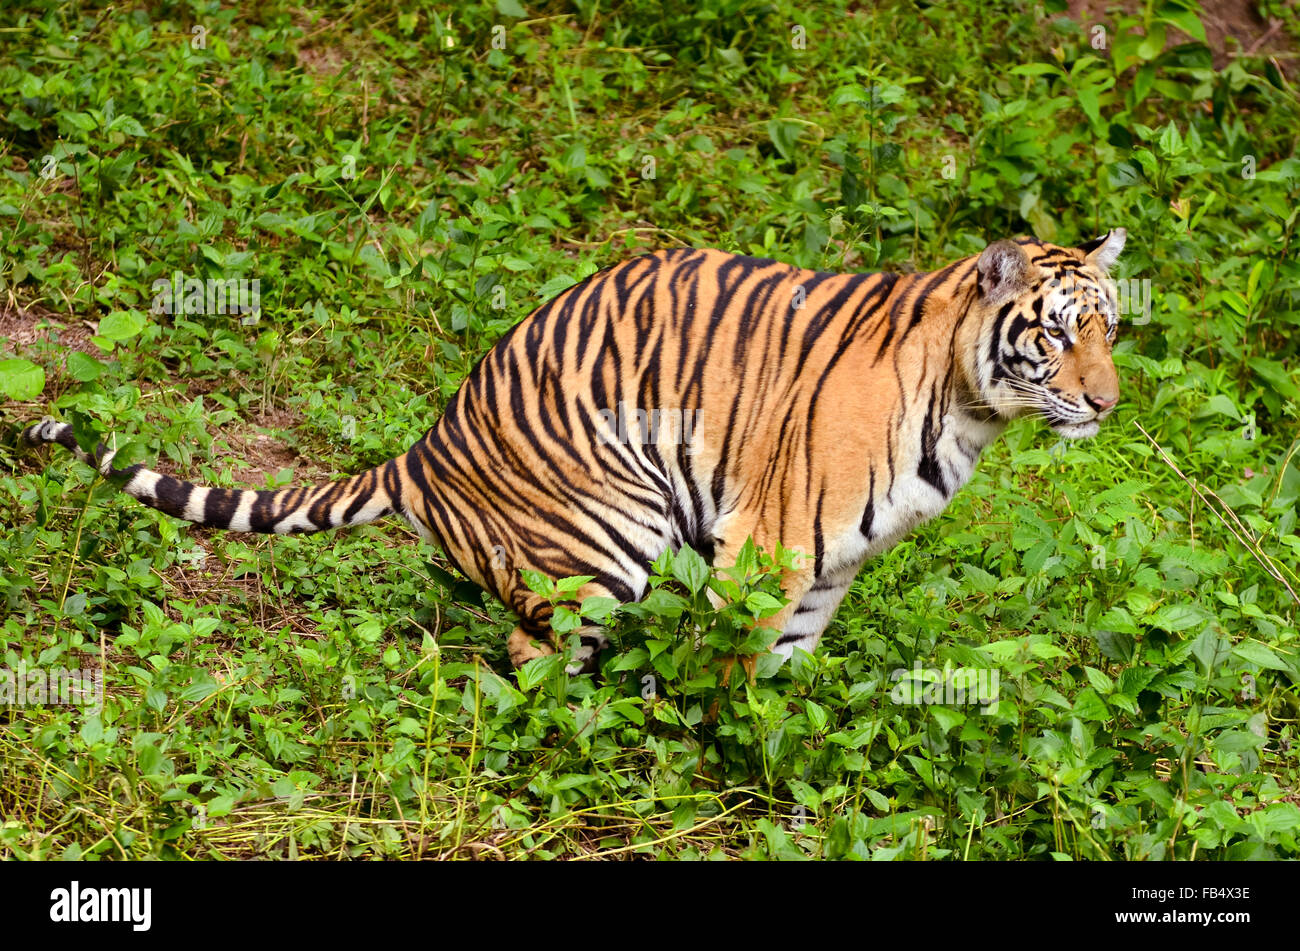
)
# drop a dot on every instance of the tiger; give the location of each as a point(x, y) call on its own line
point(703, 398)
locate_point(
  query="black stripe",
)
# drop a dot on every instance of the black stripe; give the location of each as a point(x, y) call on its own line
point(220, 506)
point(171, 496)
point(63, 436)
point(928, 468)
point(869, 514)
point(364, 496)
point(1089, 246)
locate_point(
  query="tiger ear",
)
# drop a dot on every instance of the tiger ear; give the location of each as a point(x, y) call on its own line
point(1104, 251)
point(1003, 271)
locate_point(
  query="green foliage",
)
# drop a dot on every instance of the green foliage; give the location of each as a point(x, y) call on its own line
point(405, 187)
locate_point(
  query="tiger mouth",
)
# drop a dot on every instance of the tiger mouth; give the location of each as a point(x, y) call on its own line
point(1084, 430)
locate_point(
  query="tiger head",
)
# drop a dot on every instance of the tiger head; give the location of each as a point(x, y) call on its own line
point(1050, 322)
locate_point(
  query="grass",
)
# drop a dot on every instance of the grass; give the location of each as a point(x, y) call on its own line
point(405, 186)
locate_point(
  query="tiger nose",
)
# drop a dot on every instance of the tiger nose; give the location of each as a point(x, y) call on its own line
point(1100, 403)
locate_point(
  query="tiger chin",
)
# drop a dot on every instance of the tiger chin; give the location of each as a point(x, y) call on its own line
point(704, 398)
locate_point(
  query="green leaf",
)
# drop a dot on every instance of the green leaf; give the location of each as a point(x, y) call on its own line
point(570, 585)
point(1041, 647)
point(201, 689)
point(537, 670)
point(946, 718)
point(1237, 741)
point(877, 800)
point(690, 569)
point(538, 582)
point(1177, 617)
point(553, 287)
point(83, 121)
point(659, 603)
point(1276, 375)
point(1210, 649)
point(762, 604)
point(220, 806)
point(1219, 403)
point(598, 607)
point(1037, 69)
point(127, 124)
point(564, 621)
point(1090, 102)
point(83, 368)
point(121, 325)
point(511, 8)
point(1122, 175)
point(75, 605)
point(1154, 42)
point(92, 731)
point(853, 93)
point(1260, 655)
point(21, 379)
point(817, 715)
point(784, 135)
point(1100, 682)
point(1089, 706)
point(1171, 143)
point(1183, 19)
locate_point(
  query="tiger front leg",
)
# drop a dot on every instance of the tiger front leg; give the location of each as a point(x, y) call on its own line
point(535, 637)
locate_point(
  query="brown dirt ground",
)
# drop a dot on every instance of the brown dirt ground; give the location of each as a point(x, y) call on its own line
point(1232, 27)
point(22, 328)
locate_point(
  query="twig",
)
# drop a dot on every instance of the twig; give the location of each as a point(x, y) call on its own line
point(1254, 549)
